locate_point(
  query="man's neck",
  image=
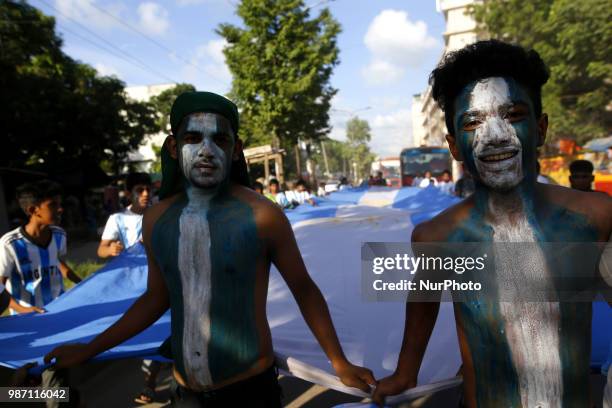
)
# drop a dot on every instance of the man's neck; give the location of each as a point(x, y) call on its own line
point(38, 232)
point(507, 206)
point(137, 209)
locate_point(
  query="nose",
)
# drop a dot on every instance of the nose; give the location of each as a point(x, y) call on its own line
point(206, 149)
point(497, 132)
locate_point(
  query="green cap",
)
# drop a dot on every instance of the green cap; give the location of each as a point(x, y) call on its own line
point(190, 102)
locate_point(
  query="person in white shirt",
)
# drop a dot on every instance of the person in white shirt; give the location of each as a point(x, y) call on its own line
point(299, 194)
point(446, 185)
point(124, 229)
point(427, 180)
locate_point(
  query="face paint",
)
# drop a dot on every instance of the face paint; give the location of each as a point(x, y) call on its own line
point(205, 146)
point(140, 195)
point(496, 131)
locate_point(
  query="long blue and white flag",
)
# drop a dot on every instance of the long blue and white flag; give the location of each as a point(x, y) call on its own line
point(329, 236)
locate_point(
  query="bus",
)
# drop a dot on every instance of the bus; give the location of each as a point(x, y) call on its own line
point(417, 160)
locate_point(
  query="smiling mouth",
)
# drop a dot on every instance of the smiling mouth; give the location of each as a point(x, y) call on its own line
point(498, 157)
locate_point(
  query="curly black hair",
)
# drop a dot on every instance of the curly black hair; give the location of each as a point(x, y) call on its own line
point(484, 59)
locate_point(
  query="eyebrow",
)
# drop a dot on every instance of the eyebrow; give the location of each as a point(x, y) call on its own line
point(501, 107)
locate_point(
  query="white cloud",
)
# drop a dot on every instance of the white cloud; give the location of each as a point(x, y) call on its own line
point(208, 69)
point(106, 70)
point(191, 2)
point(153, 18)
point(387, 102)
point(380, 72)
point(395, 43)
point(84, 11)
point(391, 132)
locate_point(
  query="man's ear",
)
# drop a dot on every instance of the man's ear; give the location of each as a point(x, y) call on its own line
point(237, 149)
point(170, 146)
point(452, 146)
point(31, 210)
point(542, 128)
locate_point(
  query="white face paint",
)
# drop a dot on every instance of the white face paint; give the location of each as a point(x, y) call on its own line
point(204, 162)
point(496, 146)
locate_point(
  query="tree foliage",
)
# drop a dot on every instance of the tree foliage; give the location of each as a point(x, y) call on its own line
point(357, 137)
point(162, 104)
point(573, 38)
point(281, 63)
point(58, 112)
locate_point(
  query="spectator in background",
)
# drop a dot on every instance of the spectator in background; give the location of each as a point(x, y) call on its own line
point(31, 256)
point(124, 229)
point(446, 185)
point(276, 195)
point(378, 180)
point(31, 259)
point(321, 190)
point(344, 184)
point(300, 194)
point(428, 180)
point(581, 175)
point(416, 181)
point(258, 187)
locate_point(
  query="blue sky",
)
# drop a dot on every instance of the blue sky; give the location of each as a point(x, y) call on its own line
point(387, 49)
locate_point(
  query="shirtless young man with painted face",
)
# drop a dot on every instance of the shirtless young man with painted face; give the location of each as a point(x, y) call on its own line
point(210, 243)
point(520, 353)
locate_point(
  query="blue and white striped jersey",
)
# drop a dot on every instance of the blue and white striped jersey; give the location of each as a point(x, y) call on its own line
point(32, 272)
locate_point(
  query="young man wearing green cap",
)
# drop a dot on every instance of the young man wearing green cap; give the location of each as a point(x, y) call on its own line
point(210, 242)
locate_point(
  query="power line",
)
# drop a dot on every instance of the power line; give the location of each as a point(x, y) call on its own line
point(114, 53)
point(157, 43)
point(113, 49)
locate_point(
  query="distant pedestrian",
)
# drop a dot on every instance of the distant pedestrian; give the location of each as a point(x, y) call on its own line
point(446, 184)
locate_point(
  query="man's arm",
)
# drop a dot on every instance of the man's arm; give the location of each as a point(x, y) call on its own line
point(68, 273)
point(13, 304)
point(144, 312)
point(287, 258)
point(109, 247)
point(420, 321)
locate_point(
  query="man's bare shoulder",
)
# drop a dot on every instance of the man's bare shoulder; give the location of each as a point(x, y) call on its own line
point(152, 214)
point(595, 206)
point(439, 227)
point(268, 215)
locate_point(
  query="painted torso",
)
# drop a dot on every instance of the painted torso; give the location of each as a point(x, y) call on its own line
point(524, 354)
point(210, 256)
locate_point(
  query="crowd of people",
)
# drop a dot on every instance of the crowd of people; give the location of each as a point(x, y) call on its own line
point(200, 247)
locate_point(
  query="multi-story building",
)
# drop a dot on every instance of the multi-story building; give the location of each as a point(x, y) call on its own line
point(428, 127)
point(145, 156)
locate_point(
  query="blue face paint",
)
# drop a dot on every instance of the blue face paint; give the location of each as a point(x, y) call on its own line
point(494, 118)
point(496, 132)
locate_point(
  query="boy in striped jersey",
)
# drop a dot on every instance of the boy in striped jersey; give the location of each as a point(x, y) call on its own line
point(31, 263)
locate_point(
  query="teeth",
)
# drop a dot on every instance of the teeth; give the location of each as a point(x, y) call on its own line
point(498, 157)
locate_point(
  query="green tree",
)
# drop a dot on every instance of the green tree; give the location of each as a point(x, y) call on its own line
point(281, 62)
point(573, 38)
point(162, 104)
point(357, 138)
point(57, 112)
